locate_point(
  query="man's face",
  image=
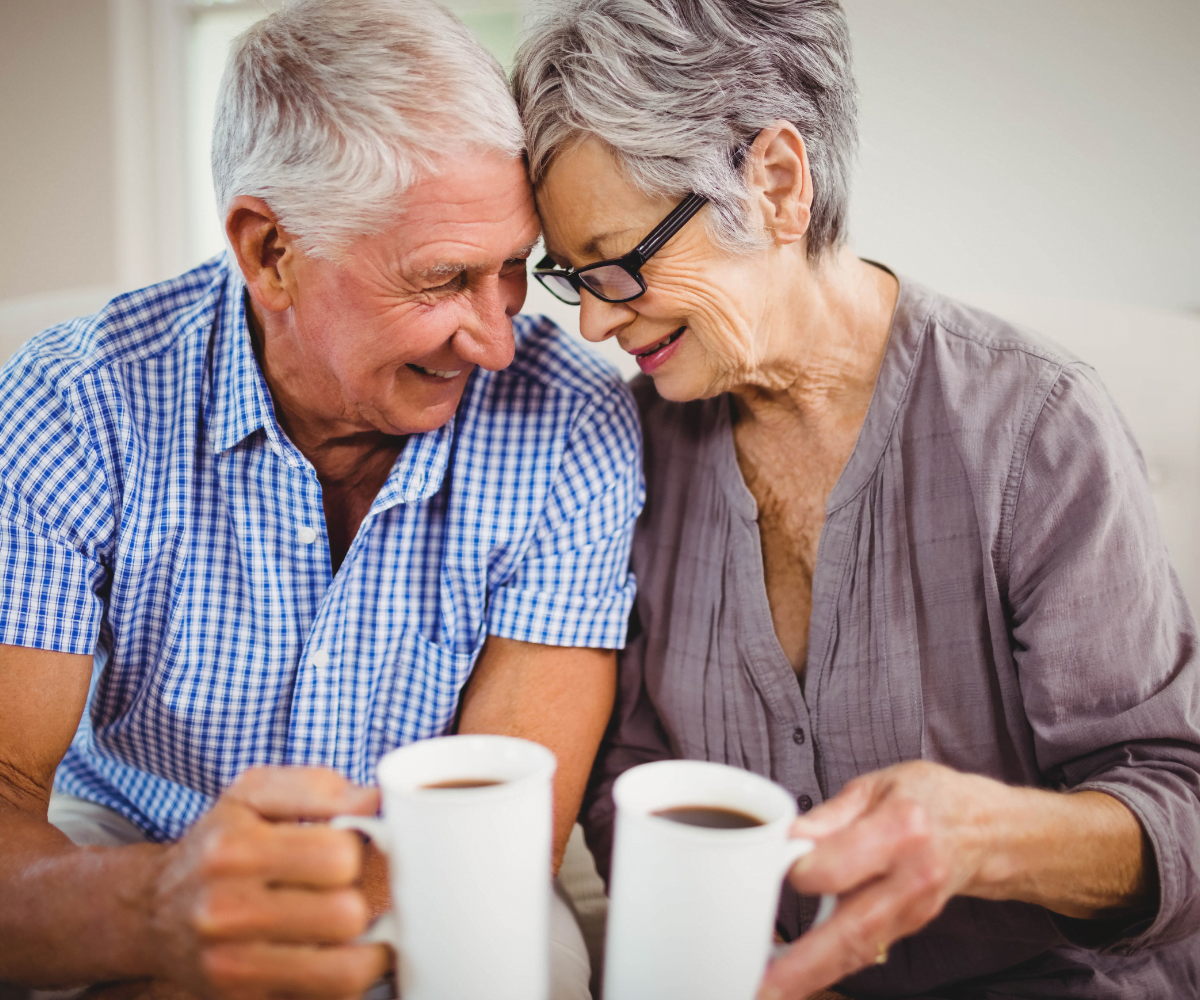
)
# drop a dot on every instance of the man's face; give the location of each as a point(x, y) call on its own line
point(386, 338)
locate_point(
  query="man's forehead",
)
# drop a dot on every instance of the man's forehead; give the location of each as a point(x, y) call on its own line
point(475, 217)
point(469, 187)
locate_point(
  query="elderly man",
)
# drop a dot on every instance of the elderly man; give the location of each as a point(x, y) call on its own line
point(278, 510)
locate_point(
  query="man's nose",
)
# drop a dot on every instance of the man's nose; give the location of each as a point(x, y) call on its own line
point(599, 320)
point(485, 337)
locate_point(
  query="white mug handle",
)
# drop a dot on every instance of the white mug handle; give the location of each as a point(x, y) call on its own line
point(369, 826)
point(793, 851)
point(383, 931)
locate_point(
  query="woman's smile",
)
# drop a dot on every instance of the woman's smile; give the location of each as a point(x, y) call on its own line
point(652, 356)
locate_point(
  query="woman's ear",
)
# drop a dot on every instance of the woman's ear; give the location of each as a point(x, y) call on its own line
point(780, 182)
point(263, 249)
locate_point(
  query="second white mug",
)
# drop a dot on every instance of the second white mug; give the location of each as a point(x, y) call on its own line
point(692, 906)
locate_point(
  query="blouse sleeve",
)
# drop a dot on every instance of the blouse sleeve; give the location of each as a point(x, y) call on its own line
point(1105, 645)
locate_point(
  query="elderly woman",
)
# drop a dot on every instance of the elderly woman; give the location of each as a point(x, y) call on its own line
point(896, 554)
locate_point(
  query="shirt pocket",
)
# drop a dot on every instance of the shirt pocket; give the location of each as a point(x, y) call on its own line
point(419, 691)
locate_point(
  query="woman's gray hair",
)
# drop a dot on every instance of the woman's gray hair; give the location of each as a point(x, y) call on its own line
point(674, 87)
point(329, 109)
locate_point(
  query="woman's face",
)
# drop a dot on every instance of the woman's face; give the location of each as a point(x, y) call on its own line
point(700, 327)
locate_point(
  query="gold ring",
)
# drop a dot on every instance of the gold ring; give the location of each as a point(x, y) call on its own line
point(881, 954)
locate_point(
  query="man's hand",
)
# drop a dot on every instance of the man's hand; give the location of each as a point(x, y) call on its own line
point(897, 844)
point(251, 903)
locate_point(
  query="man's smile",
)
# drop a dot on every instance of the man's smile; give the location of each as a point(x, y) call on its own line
point(436, 372)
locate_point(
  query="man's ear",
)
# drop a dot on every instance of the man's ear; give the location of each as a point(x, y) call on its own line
point(264, 251)
point(780, 182)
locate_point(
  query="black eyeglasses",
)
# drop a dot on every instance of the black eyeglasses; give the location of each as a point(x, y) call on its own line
point(618, 279)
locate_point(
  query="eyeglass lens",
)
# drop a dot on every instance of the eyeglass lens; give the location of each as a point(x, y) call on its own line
point(561, 287)
point(613, 282)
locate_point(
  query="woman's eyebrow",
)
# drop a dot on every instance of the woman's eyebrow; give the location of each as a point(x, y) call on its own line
point(592, 247)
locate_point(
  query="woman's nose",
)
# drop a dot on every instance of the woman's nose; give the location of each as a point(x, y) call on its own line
point(599, 320)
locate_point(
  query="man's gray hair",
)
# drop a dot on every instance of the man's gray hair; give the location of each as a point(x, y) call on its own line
point(674, 87)
point(329, 109)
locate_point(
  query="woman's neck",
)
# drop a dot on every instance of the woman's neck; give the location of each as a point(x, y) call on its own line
point(822, 358)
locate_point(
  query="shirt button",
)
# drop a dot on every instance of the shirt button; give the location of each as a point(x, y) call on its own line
point(320, 660)
point(306, 534)
point(805, 803)
point(275, 448)
point(798, 736)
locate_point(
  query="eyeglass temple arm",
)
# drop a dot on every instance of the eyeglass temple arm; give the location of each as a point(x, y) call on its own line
point(669, 226)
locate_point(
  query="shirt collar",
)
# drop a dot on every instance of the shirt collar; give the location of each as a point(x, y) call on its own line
point(420, 468)
point(910, 320)
point(241, 403)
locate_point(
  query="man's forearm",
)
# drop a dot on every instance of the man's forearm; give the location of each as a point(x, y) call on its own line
point(560, 697)
point(72, 915)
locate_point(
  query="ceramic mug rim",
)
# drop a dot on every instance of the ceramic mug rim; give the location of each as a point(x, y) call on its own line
point(528, 762)
point(627, 789)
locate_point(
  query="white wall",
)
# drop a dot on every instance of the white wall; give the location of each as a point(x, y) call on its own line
point(56, 155)
point(1036, 147)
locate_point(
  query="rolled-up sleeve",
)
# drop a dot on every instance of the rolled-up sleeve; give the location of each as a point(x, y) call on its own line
point(56, 519)
point(1106, 646)
point(573, 587)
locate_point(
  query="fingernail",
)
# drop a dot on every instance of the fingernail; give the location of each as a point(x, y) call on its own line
point(767, 992)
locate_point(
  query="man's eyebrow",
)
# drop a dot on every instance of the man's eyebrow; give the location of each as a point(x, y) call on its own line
point(449, 268)
point(443, 269)
point(526, 250)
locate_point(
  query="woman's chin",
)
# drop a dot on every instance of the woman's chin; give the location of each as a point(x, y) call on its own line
point(680, 386)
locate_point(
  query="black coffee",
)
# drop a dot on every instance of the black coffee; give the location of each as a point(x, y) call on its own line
point(712, 817)
point(464, 783)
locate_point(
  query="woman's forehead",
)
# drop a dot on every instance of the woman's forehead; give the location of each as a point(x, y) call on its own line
point(589, 208)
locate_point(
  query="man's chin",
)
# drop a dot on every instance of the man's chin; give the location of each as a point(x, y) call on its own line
point(419, 406)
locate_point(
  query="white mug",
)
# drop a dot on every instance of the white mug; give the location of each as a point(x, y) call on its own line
point(693, 909)
point(470, 867)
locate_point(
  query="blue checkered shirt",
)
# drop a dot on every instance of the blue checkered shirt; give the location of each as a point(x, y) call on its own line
point(154, 515)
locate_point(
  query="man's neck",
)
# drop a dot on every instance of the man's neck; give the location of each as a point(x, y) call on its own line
point(352, 461)
point(343, 450)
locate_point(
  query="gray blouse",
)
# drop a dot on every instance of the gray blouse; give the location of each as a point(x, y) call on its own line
point(991, 592)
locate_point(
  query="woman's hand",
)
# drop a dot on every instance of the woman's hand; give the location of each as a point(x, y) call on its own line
point(895, 845)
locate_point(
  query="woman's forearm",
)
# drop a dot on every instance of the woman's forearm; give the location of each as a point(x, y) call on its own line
point(1081, 854)
point(897, 844)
